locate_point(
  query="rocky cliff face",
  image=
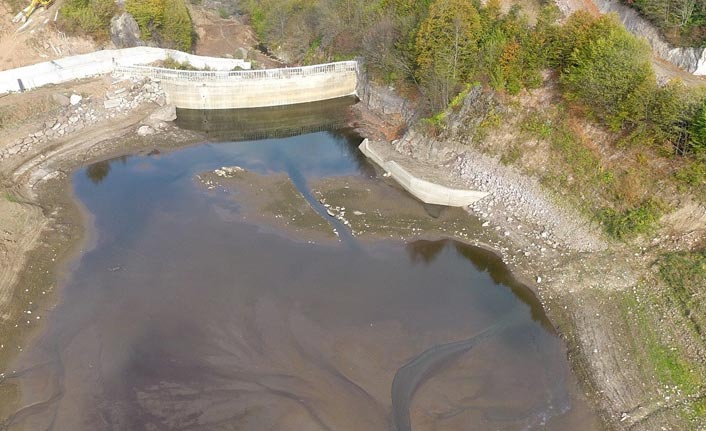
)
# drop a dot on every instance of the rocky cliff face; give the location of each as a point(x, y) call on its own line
point(124, 31)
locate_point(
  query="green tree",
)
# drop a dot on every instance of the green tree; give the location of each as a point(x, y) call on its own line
point(697, 131)
point(609, 72)
point(446, 47)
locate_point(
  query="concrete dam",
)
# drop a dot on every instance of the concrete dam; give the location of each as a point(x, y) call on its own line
point(251, 88)
point(225, 84)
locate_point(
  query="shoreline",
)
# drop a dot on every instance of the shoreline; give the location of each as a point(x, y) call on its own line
point(598, 293)
point(66, 230)
point(38, 183)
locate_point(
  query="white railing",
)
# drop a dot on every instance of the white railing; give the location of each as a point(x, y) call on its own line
point(163, 74)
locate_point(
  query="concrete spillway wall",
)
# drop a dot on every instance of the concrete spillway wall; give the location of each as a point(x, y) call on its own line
point(102, 62)
point(424, 190)
point(252, 88)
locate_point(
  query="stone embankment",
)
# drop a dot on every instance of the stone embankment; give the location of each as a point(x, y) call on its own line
point(78, 113)
point(515, 205)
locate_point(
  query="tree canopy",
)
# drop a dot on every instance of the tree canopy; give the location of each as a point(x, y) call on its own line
point(447, 45)
point(609, 70)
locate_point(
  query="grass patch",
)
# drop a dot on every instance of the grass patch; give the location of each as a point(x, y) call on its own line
point(537, 126)
point(665, 362)
point(10, 197)
point(491, 121)
point(623, 224)
point(685, 274)
point(512, 155)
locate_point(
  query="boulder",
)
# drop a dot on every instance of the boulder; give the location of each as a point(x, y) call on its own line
point(124, 31)
point(75, 99)
point(60, 99)
point(145, 131)
point(112, 103)
point(165, 113)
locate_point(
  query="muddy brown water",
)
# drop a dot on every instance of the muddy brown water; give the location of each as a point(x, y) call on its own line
point(184, 317)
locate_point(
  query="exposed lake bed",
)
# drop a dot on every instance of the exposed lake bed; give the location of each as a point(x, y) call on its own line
point(309, 338)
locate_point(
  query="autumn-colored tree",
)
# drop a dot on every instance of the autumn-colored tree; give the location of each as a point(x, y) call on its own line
point(446, 47)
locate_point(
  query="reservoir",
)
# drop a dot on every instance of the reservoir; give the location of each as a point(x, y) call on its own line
point(207, 305)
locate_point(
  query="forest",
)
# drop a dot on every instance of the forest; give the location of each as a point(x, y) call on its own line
point(440, 47)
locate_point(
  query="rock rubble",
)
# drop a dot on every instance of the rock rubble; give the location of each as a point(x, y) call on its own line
point(78, 112)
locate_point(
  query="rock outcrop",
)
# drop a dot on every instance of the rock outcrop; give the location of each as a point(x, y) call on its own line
point(124, 31)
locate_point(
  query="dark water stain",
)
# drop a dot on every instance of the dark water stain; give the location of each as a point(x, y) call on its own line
point(182, 318)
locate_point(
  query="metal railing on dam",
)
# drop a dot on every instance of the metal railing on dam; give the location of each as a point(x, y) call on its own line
point(235, 89)
point(164, 74)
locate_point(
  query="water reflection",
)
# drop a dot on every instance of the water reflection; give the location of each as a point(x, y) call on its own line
point(97, 172)
point(484, 261)
point(272, 122)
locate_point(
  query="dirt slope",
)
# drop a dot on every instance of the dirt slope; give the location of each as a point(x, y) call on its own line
point(40, 41)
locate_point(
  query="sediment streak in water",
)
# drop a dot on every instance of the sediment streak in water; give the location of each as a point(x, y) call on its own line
point(408, 378)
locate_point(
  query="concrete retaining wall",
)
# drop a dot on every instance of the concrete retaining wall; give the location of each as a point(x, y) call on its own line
point(252, 88)
point(102, 62)
point(425, 191)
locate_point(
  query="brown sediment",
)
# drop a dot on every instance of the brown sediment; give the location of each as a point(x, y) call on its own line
point(270, 200)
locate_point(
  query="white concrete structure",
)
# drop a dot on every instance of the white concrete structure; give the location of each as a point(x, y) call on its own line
point(426, 191)
point(252, 88)
point(100, 63)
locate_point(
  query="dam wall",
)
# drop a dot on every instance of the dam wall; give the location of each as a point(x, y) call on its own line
point(103, 62)
point(251, 88)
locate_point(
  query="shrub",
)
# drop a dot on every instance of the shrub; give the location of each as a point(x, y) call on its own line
point(177, 30)
point(693, 173)
point(167, 22)
point(631, 221)
point(149, 15)
point(90, 17)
